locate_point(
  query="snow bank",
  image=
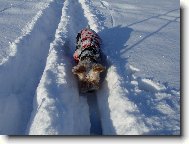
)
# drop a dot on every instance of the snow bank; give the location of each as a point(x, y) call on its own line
point(92, 15)
point(58, 108)
point(136, 106)
point(20, 74)
point(118, 113)
point(140, 68)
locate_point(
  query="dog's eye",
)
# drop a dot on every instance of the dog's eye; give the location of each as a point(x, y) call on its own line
point(80, 69)
point(98, 68)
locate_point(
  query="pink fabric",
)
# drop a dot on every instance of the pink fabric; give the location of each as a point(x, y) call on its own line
point(88, 38)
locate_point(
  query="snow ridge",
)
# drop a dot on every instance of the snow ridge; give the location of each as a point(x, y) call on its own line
point(92, 15)
point(116, 108)
point(20, 75)
point(26, 31)
point(158, 105)
point(131, 105)
point(59, 110)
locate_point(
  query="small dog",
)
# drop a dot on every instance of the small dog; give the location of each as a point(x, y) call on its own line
point(88, 59)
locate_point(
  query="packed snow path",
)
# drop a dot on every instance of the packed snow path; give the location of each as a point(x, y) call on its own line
point(140, 95)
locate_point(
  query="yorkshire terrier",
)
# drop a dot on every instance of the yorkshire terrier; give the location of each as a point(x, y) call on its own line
point(88, 58)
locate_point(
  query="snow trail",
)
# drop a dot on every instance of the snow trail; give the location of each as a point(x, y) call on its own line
point(108, 7)
point(112, 93)
point(93, 16)
point(20, 73)
point(71, 109)
point(11, 6)
point(96, 127)
point(112, 96)
point(37, 72)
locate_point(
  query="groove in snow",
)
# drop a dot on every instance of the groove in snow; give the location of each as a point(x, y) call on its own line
point(20, 74)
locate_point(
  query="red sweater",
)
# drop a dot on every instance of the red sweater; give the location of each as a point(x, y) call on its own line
point(86, 38)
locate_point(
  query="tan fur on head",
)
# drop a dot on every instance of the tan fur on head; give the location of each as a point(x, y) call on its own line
point(98, 68)
point(88, 74)
point(79, 70)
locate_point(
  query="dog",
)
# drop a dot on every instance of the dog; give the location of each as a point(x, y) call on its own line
point(87, 55)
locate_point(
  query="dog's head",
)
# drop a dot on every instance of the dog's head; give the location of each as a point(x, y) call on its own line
point(89, 75)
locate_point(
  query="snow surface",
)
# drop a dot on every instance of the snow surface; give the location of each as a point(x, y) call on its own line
point(140, 94)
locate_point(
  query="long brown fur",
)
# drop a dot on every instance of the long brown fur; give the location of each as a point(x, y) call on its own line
point(88, 73)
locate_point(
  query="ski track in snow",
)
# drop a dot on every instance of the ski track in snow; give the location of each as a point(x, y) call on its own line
point(66, 94)
point(108, 7)
point(127, 104)
point(25, 68)
point(11, 6)
point(64, 98)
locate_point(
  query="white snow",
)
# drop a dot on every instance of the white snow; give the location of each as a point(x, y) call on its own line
point(20, 74)
point(117, 111)
point(140, 94)
point(59, 110)
point(149, 85)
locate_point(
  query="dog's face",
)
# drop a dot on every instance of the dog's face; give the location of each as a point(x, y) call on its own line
point(89, 76)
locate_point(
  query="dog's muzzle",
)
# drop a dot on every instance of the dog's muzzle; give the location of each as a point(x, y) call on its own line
point(86, 86)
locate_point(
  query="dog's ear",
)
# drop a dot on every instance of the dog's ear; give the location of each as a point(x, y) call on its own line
point(78, 69)
point(98, 68)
